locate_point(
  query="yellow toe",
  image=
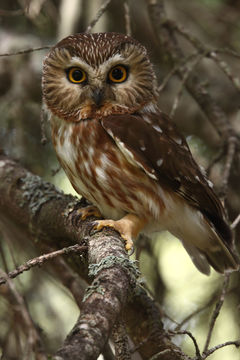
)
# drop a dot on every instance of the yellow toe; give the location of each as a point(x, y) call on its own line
point(88, 211)
point(128, 227)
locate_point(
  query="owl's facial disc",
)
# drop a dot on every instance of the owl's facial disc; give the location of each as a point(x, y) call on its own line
point(96, 75)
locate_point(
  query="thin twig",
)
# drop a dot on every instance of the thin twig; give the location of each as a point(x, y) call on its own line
point(55, 171)
point(187, 35)
point(38, 261)
point(231, 149)
point(194, 313)
point(185, 332)
point(212, 54)
point(164, 30)
point(216, 312)
point(75, 284)
point(168, 351)
point(167, 78)
point(217, 347)
point(42, 125)
point(215, 160)
point(100, 12)
point(160, 354)
point(235, 222)
point(174, 70)
point(34, 343)
point(186, 75)
point(3, 257)
point(11, 12)
point(127, 18)
point(139, 345)
point(225, 68)
point(228, 52)
point(21, 52)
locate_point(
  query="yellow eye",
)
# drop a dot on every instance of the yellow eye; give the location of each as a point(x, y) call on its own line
point(118, 74)
point(76, 75)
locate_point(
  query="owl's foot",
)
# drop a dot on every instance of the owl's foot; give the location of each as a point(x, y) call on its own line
point(128, 227)
point(88, 211)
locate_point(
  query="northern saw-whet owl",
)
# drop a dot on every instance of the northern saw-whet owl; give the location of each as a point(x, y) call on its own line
point(123, 154)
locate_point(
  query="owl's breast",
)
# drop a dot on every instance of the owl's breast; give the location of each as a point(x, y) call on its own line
point(78, 147)
point(100, 172)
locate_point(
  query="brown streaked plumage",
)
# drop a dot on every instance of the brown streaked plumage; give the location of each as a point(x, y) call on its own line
point(123, 154)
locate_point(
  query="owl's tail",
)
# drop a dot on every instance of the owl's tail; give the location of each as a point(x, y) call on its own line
point(221, 259)
point(209, 244)
point(220, 255)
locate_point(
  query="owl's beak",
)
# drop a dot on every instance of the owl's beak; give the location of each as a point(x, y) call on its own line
point(97, 96)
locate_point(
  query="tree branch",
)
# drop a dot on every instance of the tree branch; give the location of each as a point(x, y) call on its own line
point(164, 30)
point(114, 278)
point(50, 220)
point(34, 344)
point(38, 261)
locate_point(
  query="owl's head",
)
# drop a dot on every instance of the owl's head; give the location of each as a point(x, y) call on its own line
point(94, 75)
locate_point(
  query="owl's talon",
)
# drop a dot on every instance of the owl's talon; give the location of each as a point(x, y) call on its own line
point(129, 246)
point(99, 225)
point(128, 227)
point(88, 211)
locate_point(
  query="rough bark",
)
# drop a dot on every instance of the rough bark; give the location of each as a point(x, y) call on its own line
point(50, 219)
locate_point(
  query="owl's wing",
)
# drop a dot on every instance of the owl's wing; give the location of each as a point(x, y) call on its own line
point(154, 144)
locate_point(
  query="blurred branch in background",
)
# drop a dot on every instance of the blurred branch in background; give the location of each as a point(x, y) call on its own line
point(198, 69)
point(38, 261)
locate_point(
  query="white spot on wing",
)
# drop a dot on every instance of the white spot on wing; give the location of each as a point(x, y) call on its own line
point(146, 119)
point(131, 158)
point(178, 140)
point(203, 171)
point(157, 128)
point(210, 184)
point(159, 162)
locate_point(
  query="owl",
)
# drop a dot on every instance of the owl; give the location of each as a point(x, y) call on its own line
point(123, 154)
